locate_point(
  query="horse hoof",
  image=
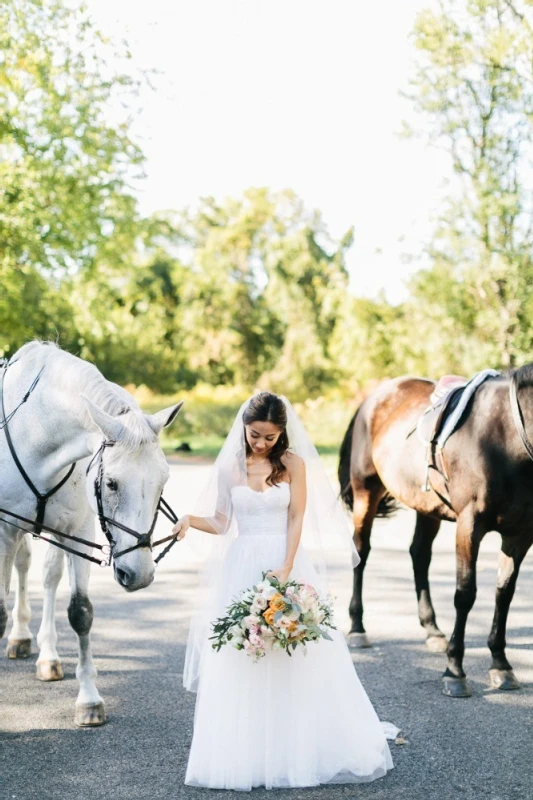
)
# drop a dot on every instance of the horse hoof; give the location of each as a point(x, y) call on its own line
point(437, 644)
point(49, 671)
point(455, 687)
point(358, 640)
point(18, 648)
point(503, 679)
point(89, 715)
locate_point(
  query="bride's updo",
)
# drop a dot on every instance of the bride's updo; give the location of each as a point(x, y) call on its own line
point(268, 407)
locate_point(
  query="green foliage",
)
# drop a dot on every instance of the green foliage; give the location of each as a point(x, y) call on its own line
point(252, 292)
point(473, 87)
point(262, 290)
point(206, 410)
point(64, 170)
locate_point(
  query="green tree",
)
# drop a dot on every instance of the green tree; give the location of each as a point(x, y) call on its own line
point(65, 169)
point(263, 291)
point(473, 86)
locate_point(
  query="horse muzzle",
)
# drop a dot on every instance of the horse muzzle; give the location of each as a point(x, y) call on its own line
point(131, 580)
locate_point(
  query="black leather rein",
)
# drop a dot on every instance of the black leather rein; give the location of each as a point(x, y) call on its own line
point(143, 539)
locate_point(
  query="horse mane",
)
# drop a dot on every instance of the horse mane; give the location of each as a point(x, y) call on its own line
point(523, 376)
point(76, 376)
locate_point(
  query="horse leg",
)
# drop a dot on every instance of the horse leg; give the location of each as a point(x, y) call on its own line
point(365, 505)
point(19, 640)
point(469, 536)
point(48, 664)
point(511, 557)
point(6, 566)
point(90, 710)
point(425, 531)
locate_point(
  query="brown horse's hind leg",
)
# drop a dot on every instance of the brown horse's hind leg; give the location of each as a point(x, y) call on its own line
point(365, 504)
point(469, 536)
point(511, 557)
point(425, 531)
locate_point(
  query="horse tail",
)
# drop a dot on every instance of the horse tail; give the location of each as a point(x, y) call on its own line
point(343, 471)
point(387, 506)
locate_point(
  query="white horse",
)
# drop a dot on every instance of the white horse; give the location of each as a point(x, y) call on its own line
point(67, 415)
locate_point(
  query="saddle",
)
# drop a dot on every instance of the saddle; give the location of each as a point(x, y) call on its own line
point(449, 400)
point(448, 389)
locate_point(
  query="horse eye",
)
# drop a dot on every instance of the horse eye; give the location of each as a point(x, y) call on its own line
point(111, 484)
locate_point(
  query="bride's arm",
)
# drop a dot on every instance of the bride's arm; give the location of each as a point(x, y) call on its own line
point(216, 524)
point(200, 523)
point(295, 515)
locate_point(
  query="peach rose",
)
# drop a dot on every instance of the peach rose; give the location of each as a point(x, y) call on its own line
point(269, 615)
point(277, 602)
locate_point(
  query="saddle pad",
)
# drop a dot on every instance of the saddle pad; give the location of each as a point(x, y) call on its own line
point(445, 385)
point(454, 412)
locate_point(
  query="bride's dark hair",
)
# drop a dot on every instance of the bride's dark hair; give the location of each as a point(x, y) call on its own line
point(268, 407)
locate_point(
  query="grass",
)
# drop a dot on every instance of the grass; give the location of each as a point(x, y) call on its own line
point(206, 446)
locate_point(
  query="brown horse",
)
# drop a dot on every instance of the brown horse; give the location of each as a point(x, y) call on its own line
point(488, 465)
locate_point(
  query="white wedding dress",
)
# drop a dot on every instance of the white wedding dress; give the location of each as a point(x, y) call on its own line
point(285, 721)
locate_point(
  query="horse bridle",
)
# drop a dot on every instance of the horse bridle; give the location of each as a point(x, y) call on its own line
point(38, 526)
point(143, 539)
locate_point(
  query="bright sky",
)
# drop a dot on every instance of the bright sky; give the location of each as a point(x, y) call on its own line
point(287, 93)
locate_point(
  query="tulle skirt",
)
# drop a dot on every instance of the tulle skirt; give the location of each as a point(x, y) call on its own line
point(285, 721)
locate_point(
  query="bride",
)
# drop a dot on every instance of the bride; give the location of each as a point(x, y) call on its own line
point(284, 721)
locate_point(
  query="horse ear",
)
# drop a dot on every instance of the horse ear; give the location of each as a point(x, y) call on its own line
point(110, 426)
point(161, 419)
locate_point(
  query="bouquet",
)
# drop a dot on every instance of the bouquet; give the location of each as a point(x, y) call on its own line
point(271, 616)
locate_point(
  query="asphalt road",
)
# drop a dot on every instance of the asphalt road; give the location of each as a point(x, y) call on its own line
point(479, 747)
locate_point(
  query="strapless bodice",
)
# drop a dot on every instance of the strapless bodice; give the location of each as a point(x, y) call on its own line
point(261, 513)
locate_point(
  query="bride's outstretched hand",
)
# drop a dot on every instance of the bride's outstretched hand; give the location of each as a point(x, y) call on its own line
point(282, 574)
point(181, 527)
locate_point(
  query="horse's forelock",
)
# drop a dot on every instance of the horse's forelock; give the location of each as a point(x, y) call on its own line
point(136, 430)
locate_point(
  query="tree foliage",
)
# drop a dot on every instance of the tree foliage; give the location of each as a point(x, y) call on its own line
point(64, 168)
point(252, 290)
point(473, 86)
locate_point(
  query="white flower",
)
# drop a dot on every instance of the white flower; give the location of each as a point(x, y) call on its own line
point(306, 603)
point(263, 585)
point(260, 602)
point(251, 619)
